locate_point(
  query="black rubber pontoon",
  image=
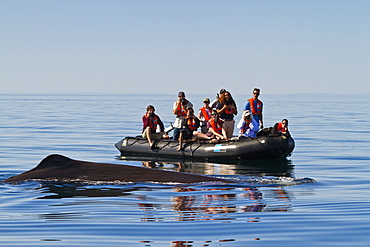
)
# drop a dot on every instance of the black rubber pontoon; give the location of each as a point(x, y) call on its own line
point(263, 147)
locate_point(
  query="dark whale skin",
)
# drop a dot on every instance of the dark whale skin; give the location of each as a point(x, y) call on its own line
point(61, 168)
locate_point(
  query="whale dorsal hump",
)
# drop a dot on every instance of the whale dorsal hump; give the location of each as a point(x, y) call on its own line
point(54, 160)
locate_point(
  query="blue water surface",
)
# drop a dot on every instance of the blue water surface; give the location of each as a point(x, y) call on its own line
point(317, 197)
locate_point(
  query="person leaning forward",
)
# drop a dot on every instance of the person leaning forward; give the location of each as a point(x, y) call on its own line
point(215, 127)
point(248, 126)
point(180, 110)
point(281, 128)
point(150, 123)
point(189, 130)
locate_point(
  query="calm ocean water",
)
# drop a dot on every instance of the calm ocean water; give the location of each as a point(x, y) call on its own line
point(320, 196)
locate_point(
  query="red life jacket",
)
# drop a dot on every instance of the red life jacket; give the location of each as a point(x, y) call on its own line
point(181, 110)
point(280, 128)
point(245, 126)
point(153, 121)
point(192, 124)
point(229, 110)
point(255, 110)
point(206, 113)
point(216, 126)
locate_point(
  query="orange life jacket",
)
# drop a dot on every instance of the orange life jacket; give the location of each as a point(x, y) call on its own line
point(181, 110)
point(153, 121)
point(244, 128)
point(206, 113)
point(255, 110)
point(216, 126)
point(192, 124)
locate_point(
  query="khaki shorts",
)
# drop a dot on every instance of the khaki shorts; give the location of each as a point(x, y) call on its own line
point(155, 136)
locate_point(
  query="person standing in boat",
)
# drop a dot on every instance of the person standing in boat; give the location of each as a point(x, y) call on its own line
point(247, 125)
point(204, 115)
point(180, 109)
point(226, 109)
point(215, 127)
point(189, 130)
point(150, 123)
point(254, 105)
point(218, 96)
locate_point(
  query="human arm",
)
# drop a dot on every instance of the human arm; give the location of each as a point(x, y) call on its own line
point(197, 121)
point(161, 125)
point(233, 106)
point(261, 120)
point(219, 107)
point(240, 124)
point(176, 107)
point(253, 125)
point(200, 114)
point(215, 133)
point(247, 106)
point(261, 116)
point(145, 121)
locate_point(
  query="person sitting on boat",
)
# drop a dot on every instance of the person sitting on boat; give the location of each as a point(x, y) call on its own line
point(248, 126)
point(215, 127)
point(281, 127)
point(204, 115)
point(226, 109)
point(150, 123)
point(180, 109)
point(189, 130)
point(255, 106)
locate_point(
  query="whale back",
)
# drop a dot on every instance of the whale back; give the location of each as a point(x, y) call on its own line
point(61, 168)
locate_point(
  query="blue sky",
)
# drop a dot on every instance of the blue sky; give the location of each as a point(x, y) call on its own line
point(117, 46)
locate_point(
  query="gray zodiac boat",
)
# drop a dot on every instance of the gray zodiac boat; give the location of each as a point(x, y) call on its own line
point(265, 146)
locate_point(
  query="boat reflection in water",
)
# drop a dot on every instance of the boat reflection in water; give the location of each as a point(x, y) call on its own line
point(277, 167)
point(195, 202)
point(256, 190)
point(222, 203)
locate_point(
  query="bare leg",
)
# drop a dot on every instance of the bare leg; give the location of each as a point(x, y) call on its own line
point(199, 135)
point(148, 135)
point(225, 134)
point(180, 142)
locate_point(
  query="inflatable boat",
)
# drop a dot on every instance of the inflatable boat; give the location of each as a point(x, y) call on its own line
point(261, 147)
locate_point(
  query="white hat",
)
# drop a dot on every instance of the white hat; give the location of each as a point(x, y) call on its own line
point(246, 113)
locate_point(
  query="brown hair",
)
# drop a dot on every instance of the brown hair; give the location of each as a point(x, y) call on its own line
point(223, 100)
point(150, 107)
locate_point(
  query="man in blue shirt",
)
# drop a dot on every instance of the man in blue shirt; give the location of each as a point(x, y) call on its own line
point(254, 105)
